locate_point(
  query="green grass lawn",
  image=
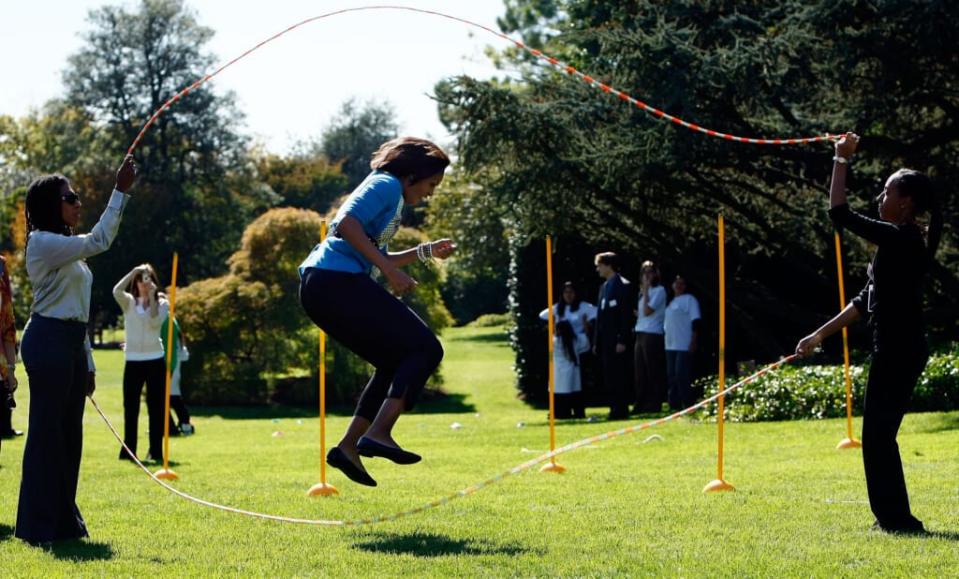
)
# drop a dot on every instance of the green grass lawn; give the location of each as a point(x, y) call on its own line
point(625, 507)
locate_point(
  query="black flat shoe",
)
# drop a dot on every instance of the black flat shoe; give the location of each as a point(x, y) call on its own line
point(338, 459)
point(370, 448)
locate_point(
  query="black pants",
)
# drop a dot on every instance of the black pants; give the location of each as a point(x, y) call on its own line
point(618, 378)
point(649, 366)
point(179, 406)
point(135, 374)
point(679, 371)
point(569, 405)
point(56, 364)
point(355, 311)
point(892, 378)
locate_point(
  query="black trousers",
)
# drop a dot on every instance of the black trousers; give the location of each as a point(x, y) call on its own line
point(56, 364)
point(135, 374)
point(618, 378)
point(569, 405)
point(178, 405)
point(356, 312)
point(892, 379)
point(649, 365)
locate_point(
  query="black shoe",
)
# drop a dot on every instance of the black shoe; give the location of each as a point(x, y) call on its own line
point(617, 416)
point(338, 459)
point(12, 433)
point(910, 526)
point(124, 455)
point(370, 448)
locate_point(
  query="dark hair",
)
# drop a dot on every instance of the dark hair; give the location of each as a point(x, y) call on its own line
point(650, 266)
point(410, 157)
point(918, 187)
point(562, 303)
point(134, 289)
point(568, 337)
point(608, 258)
point(43, 208)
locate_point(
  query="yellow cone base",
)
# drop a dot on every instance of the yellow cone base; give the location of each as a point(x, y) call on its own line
point(717, 486)
point(848, 443)
point(553, 467)
point(322, 490)
point(166, 474)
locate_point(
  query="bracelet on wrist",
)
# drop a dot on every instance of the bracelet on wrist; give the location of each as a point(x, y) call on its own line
point(841, 160)
point(424, 252)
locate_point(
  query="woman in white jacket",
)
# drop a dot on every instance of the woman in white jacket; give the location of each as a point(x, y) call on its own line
point(144, 310)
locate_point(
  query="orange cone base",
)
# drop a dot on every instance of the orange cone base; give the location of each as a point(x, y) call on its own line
point(322, 490)
point(553, 467)
point(848, 443)
point(166, 474)
point(717, 486)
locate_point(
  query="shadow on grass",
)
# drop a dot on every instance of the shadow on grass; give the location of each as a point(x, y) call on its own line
point(80, 550)
point(944, 535)
point(430, 403)
point(73, 550)
point(943, 423)
point(434, 545)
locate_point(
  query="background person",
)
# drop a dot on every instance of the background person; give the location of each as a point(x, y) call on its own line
point(681, 323)
point(144, 310)
point(613, 338)
point(8, 355)
point(570, 342)
point(649, 353)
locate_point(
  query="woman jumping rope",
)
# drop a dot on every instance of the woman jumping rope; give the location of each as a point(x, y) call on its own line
point(339, 295)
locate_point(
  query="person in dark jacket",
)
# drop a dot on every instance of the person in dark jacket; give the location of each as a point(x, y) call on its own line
point(612, 341)
point(892, 300)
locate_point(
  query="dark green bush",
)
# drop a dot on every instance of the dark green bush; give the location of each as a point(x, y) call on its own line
point(816, 392)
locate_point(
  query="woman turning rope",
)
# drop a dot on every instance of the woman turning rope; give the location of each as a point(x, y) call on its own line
point(340, 297)
point(892, 299)
point(56, 351)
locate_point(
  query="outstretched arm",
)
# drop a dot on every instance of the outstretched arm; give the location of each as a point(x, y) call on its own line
point(848, 316)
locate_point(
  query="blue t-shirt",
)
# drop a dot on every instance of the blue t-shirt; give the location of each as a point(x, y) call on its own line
point(377, 203)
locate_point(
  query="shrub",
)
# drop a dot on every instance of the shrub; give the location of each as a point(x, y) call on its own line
point(817, 392)
point(490, 321)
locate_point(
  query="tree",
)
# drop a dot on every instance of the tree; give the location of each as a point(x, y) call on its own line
point(196, 190)
point(563, 157)
point(307, 181)
point(351, 139)
point(476, 280)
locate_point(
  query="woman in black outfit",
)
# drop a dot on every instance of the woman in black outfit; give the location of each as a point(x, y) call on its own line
point(892, 299)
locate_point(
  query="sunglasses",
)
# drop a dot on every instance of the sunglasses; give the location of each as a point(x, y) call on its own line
point(71, 198)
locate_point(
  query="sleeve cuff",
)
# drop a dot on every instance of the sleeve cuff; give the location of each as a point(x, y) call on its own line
point(118, 200)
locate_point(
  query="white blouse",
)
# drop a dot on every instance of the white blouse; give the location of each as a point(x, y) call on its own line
point(59, 276)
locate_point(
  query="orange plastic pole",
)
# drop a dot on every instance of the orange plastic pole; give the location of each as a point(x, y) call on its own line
point(165, 472)
point(322, 488)
point(552, 466)
point(850, 441)
point(720, 484)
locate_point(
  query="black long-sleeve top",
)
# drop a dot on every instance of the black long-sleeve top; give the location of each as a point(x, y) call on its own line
point(892, 297)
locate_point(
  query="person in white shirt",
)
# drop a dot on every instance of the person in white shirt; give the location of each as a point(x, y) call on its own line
point(144, 310)
point(649, 361)
point(55, 349)
point(569, 343)
point(682, 328)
